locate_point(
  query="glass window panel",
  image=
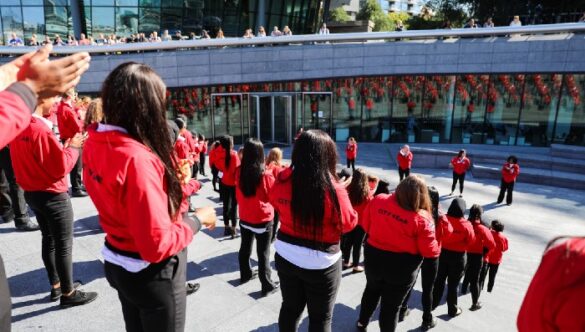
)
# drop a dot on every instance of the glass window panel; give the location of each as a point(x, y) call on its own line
point(32, 2)
point(58, 21)
point(172, 3)
point(102, 21)
point(126, 21)
point(469, 124)
point(127, 3)
point(10, 2)
point(34, 22)
point(149, 3)
point(172, 19)
point(276, 7)
point(407, 111)
point(87, 18)
point(503, 107)
point(102, 2)
point(570, 128)
point(149, 20)
point(50, 3)
point(374, 109)
point(12, 22)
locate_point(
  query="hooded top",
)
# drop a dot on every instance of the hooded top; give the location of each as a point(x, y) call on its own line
point(463, 236)
point(457, 208)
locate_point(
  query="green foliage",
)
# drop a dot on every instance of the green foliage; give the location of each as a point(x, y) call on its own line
point(372, 11)
point(450, 10)
point(399, 16)
point(339, 15)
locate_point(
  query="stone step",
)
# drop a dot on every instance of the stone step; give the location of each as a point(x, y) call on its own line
point(541, 176)
point(568, 151)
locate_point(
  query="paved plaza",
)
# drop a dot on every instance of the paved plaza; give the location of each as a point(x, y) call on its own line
point(538, 214)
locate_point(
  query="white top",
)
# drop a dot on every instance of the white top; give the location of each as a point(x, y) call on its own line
point(306, 258)
point(106, 127)
point(254, 230)
point(129, 264)
point(43, 120)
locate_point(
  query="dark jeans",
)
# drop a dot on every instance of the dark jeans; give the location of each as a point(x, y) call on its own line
point(461, 179)
point(472, 274)
point(11, 195)
point(353, 241)
point(202, 157)
point(5, 304)
point(429, 269)
point(75, 175)
point(263, 252)
point(230, 205)
point(215, 178)
point(351, 162)
point(195, 170)
point(506, 188)
point(55, 217)
point(153, 299)
point(389, 277)
point(451, 268)
point(493, 270)
point(315, 289)
point(403, 173)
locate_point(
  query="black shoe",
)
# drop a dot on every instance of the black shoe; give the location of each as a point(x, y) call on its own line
point(508, 204)
point(456, 313)
point(232, 232)
point(226, 231)
point(274, 289)
point(498, 202)
point(402, 314)
point(427, 325)
point(192, 287)
point(253, 276)
point(28, 226)
point(78, 298)
point(79, 193)
point(475, 306)
point(7, 220)
point(361, 328)
point(56, 292)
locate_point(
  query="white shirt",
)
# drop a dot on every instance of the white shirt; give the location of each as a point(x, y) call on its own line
point(43, 120)
point(306, 258)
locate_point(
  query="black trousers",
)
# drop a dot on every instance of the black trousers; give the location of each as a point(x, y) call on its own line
point(262, 250)
point(451, 268)
point(11, 195)
point(351, 162)
point(428, 269)
point(506, 189)
point(202, 157)
point(153, 299)
point(403, 173)
point(230, 205)
point(389, 278)
point(5, 303)
point(195, 170)
point(215, 177)
point(75, 175)
point(472, 275)
point(461, 179)
point(353, 241)
point(275, 226)
point(315, 289)
point(493, 271)
point(55, 217)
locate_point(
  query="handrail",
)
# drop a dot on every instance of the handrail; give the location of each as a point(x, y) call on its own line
point(301, 39)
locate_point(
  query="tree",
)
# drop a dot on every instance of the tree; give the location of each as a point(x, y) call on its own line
point(454, 11)
point(339, 15)
point(372, 11)
point(398, 16)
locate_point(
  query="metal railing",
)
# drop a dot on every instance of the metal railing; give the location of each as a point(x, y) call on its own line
point(361, 37)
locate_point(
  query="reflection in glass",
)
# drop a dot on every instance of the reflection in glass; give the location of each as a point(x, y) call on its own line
point(11, 22)
point(57, 21)
point(34, 22)
point(149, 20)
point(538, 114)
point(127, 3)
point(58, 2)
point(126, 21)
point(149, 3)
point(103, 20)
point(102, 2)
point(31, 2)
point(172, 19)
point(570, 127)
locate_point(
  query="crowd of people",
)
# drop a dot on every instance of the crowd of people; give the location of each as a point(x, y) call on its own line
point(141, 192)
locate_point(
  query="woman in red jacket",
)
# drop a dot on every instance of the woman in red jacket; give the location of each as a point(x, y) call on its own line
point(484, 242)
point(202, 154)
point(253, 183)
point(315, 211)
point(554, 299)
point(275, 166)
point(493, 259)
point(40, 166)
point(452, 259)
point(400, 233)
point(510, 172)
point(138, 197)
point(460, 165)
point(226, 162)
point(214, 171)
point(404, 161)
point(359, 195)
point(351, 152)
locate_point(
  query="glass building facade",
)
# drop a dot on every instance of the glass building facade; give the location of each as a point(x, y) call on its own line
point(125, 17)
point(498, 109)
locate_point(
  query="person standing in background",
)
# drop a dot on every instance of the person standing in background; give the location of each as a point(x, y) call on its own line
point(510, 172)
point(460, 165)
point(493, 259)
point(404, 161)
point(351, 152)
point(202, 153)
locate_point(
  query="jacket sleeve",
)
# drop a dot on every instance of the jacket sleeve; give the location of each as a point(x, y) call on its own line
point(503, 244)
point(156, 236)
point(55, 160)
point(267, 183)
point(191, 188)
point(446, 227)
point(349, 217)
point(426, 239)
point(470, 238)
point(16, 105)
point(488, 239)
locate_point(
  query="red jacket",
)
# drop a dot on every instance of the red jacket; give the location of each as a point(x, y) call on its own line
point(188, 189)
point(193, 144)
point(494, 256)
point(360, 208)
point(229, 172)
point(404, 162)
point(275, 169)
point(255, 209)
point(280, 198)
point(68, 121)
point(462, 236)
point(483, 239)
point(40, 162)
point(460, 166)
point(351, 151)
point(212, 156)
point(554, 300)
point(443, 229)
point(182, 150)
point(203, 147)
point(510, 172)
point(391, 228)
point(128, 190)
point(16, 105)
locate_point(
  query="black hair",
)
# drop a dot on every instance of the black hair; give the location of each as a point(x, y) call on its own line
point(383, 187)
point(133, 97)
point(475, 213)
point(497, 226)
point(457, 208)
point(201, 137)
point(180, 123)
point(313, 162)
point(461, 152)
point(173, 131)
point(512, 159)
point(434, 196)
point(252, 167)
point(227, 143)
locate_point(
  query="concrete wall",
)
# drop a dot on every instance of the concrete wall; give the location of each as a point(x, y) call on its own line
point(538, 54)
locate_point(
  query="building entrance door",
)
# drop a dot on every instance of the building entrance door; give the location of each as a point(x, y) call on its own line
point(271, 117)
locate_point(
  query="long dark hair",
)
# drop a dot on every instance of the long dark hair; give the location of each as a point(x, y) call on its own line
point(359, 189)
point(133, 97)
point(313, 162)
point(252, 167)
point(227, 143)
point(434, 197)
point(475, 213)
